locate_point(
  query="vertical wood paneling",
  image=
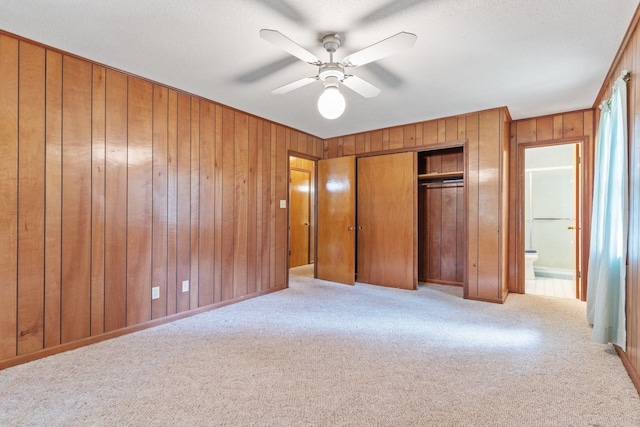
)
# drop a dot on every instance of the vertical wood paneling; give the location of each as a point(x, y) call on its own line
point(409, 136)
point(489, 203)
point(160, 183)
point(183, 258)
point(241, 198)
point(472, 180)
point(282, 164)
point(376, 140)
point(76, 199)
point(228, 202)
point(8, 195)
point(218, 185)
point(194, 286)
point(31, 151)
point(430, 132)
point(460, 233)
point(252, 204)
point(172, 202)
point(273, 205)
point(260, 206)
point(348, 145)
point(360, 144)
point(207, 203)
point(448, 259)
point(573, 124)
point(130, 185)
point(98, 156)
point(434, 232)
point(266, 206)
point(116, 202)
point(53, 199)
point(140, 200)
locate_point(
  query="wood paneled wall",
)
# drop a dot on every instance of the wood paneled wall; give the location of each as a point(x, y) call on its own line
point(628, 58)
point(486, 184)
point(577, 126)
point(112, 184)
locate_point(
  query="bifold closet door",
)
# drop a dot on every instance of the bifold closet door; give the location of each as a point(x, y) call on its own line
point(387, 226)
point(335, 258)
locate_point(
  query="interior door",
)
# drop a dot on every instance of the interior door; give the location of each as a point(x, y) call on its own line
point(335, 257)
point(299, 221)
point(387, 225)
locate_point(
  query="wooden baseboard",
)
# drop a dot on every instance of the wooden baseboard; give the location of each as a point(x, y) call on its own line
point(50, 351)
point(631, 370)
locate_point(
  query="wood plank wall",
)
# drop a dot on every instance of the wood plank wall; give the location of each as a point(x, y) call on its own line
point(487, 136)
point(112, 184)
point(628, 58)
point(557, 127)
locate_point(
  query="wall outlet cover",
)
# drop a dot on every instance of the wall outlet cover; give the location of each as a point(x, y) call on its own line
point(185, 286)
point(155, 292)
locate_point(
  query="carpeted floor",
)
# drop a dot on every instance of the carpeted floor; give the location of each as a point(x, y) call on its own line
point(324, 354)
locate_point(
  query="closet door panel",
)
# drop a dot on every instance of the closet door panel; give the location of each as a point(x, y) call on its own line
point(387, 197)
point(335, 258)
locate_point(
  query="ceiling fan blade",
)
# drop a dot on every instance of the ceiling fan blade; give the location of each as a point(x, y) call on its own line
point(361, 87)
point(294, 85)
point(266, 70)
point(386, 47)
point(385, 11)
point(287, 10)
point(288, 45)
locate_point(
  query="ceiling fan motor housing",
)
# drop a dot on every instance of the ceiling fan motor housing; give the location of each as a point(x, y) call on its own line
point(331, 42)
point(331, 73)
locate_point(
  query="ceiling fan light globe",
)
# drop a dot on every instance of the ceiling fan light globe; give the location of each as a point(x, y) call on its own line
point(331, 103)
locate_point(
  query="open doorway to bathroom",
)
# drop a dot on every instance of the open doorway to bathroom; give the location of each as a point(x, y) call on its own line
point(551, 219)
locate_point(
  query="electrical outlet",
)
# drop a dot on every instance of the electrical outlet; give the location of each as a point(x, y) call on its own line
point(185, 286)
point(155, 292)
point(283, 204)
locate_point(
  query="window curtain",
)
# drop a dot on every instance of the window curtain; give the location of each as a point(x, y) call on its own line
point(609, 222)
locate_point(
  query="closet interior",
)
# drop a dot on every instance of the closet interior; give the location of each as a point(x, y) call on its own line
point(441, 216)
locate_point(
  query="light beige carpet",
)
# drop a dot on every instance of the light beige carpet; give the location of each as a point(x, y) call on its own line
point(324, 354)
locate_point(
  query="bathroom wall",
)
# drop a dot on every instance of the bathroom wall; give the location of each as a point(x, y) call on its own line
point(550, 208)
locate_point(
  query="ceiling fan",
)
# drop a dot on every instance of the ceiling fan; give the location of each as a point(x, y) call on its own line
point(331, 103)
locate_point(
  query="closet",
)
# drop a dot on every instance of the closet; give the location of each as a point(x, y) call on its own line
point(393, 219)
point(366, 212)
point(441, 216)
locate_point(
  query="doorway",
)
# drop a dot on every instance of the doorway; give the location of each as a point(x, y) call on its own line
point(301, 213)
point(551, 218)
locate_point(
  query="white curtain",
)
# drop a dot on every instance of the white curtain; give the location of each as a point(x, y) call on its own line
point(609, 223)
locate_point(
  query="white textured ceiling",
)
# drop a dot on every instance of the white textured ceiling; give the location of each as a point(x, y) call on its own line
point(536, 57)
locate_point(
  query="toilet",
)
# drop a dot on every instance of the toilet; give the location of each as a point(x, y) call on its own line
point(530, 256)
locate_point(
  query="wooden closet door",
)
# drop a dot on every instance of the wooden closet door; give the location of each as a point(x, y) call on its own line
point(335, 258)
point(387, 241)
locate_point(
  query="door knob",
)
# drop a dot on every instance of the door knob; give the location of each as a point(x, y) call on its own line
point(359, 227)
point(350, 228)
point(306, 223)
point(571, 228)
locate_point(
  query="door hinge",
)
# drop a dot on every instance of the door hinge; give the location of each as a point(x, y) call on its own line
point(578, 160)
point(578, 274)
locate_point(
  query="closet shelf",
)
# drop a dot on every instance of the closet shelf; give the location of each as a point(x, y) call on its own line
point(440, 176)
